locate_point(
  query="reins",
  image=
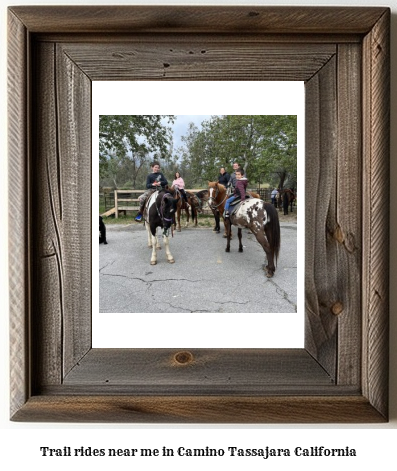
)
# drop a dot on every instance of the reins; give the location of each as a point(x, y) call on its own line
point(160, 211)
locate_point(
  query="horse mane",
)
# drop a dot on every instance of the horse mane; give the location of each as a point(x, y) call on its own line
point(219, 185)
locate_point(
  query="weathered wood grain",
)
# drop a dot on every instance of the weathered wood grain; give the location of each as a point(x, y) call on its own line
point(376, 106)
point(320, 174)
point(341, 375)
point(74, 125)
point(62, 223)
point(223, 59)
point(199, 409)
point(333, 212)
point(229, 369)
point(346, 226)
point(198, 19)
point(18, 213)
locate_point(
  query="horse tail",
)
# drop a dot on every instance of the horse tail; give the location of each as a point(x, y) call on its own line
point(272, 230)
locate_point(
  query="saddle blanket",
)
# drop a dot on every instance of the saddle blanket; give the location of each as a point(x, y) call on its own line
point(234, 204)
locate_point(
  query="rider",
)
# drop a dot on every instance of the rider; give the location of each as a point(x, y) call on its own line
point(153, 181)
point(223, 177)
point(180, 184)
point(239, 189)
point(274, 195)
point(232, 180)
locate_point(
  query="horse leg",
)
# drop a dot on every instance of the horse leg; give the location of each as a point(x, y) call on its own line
point(153, 260)
point(261, 238)
point(187, 216)
point(168, 253)
point(228, 228)
point(240, 245)
point(149, 235)
point(225, 233)
point(217, 227)
point(178, 219)
point(157, 242)
point(194, 215)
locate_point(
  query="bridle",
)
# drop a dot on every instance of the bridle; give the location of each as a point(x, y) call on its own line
point(160, 211)
point(199, 202)
point(212, 198)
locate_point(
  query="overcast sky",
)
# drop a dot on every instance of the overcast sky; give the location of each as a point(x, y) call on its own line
point(181, 125)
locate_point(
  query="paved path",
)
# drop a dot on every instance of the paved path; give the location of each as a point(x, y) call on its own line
point(204, 278)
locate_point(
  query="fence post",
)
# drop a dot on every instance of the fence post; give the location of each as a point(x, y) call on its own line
point(116, 206)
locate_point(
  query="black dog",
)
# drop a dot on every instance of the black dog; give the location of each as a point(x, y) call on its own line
point(102, 231)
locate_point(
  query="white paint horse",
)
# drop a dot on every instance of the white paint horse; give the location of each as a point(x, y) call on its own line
point(159, 211)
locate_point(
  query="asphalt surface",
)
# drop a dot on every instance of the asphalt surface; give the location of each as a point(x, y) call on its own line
point(204, 278)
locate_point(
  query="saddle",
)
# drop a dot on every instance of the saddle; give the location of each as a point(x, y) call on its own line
point(234, 204)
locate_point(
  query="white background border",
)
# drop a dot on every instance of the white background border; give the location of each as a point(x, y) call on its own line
point(21, 441)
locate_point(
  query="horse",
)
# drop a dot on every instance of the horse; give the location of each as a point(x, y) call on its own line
point(287, 197)
point(195, 206)
point(193, 202)
point(262, 220)
point(217, 196)
point(203, 195)
point(159, 212)
point(102, 231)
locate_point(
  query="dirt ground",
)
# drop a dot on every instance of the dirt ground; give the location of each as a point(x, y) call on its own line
point(290, 217)
point(203, 221)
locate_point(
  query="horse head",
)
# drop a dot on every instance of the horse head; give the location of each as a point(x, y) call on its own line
point(166, 205)
point(174, 190)
point(216, 191)
point(196, 202)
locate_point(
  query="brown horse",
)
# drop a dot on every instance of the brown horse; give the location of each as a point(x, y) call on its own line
point(193, 204)
point(262, 220)
point(217, 196)
point(203, 196)
point(287, 199)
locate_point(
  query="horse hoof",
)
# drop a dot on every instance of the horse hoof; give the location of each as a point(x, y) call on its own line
point(171, 261)
point(178, 230)
point(240, 250)
point(153, 263)
point(227, 250)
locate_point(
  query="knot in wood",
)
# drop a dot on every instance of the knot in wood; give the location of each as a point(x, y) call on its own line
point(337, 308)
point(183, 358)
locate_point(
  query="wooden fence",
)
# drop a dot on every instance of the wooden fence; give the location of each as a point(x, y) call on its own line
point(117, 201)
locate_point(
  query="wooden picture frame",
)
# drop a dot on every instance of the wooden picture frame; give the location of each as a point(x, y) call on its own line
point(342, 54)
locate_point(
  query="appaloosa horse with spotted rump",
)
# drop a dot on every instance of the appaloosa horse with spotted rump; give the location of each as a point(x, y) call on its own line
point(216, 196)
point(159, 211)
point(262, 220)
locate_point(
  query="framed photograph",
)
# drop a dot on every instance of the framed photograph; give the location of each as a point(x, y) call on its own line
point(342, 56)
point(211, 289)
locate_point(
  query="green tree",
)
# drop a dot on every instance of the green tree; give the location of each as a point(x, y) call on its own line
point(128, 142)
point(264, 145)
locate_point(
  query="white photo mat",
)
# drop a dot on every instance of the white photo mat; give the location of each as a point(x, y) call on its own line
point(215, 330)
